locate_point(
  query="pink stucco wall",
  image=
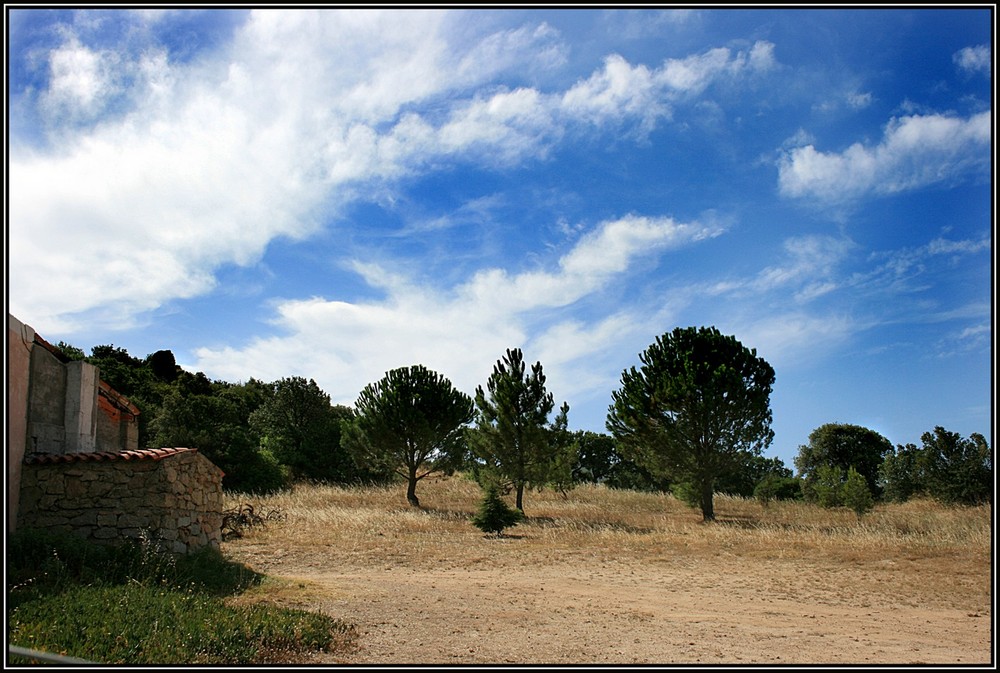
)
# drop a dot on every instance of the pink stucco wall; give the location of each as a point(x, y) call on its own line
point(19, 340)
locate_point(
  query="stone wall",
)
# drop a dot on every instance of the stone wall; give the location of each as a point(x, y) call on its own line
point(174, 494)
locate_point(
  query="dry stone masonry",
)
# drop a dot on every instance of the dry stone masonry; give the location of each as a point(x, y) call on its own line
point(173, 496)
point(73, 461)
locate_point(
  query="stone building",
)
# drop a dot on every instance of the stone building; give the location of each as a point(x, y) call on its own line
point(74, 463)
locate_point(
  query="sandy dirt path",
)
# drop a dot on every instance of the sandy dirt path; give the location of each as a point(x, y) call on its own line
point(668, 612)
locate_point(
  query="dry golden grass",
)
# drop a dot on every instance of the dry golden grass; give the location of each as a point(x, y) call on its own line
point(789, 582)
point(373, 525)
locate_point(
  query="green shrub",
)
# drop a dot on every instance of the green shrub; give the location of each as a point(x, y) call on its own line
point(856, 494)
point(494, 514)
point(828, 488)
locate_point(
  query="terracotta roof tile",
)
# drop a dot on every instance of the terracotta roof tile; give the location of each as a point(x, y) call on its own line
point(139, 454)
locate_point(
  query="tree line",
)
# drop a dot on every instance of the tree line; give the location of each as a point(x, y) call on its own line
point(693, 419)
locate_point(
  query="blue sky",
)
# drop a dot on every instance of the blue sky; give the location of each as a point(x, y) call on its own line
point(333, 194)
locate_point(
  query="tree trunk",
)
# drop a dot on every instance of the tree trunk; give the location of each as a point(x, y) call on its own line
point(411, 491)
point(520, 497)
point(707, 506)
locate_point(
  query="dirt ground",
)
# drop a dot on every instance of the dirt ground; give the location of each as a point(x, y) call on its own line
point(674, 610)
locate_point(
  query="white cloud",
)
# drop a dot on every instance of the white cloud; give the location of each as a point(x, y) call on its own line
point(809, 270)
point(614, 92)
point(459, 333)
point(915, 151)
point(80, 80)
point(859, 100)
point(622, 90)
point(975, 59)
point(270, 136)
point(695, 73)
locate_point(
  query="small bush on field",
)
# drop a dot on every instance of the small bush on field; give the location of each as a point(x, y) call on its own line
point(494, 514)
point(131, 604)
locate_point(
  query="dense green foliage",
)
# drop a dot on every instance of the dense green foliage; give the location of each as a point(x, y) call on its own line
point(776, 487)
point(841, 446)
point(514, 439)
point(297, 423)
point(131, 605)
point(411, 422)
point(695, 409)
point(945, 467)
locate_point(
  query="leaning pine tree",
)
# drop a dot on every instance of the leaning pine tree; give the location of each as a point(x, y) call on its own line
point(494, 514)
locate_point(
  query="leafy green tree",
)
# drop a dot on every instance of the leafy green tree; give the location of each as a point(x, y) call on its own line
point(842, 446)
point(747, 473)
point(827, 487)
point(627, 475)
point(766, 489)
point(596, 457)
point(514, 438)
point(696, 407)
point(901, 474)
point(598, 461)
point(777, 485)
point(411, 422)
point(856, 494)
point(565, 453)
point(957, 470)
point(70, 351)
point(164, 365)
point(298, 425)
point(494, 514)
point(217, 424)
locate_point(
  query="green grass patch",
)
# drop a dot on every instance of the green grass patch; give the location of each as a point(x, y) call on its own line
point(132, 605)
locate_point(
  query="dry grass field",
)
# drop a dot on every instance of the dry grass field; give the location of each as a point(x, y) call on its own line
point(616, 577)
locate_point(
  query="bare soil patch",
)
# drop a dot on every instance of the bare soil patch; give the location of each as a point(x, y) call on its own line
point(586, 581)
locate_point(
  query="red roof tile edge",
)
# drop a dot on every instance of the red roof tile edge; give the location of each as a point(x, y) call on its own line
point(138, 454)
